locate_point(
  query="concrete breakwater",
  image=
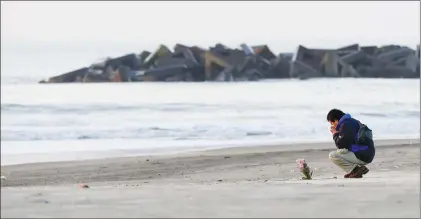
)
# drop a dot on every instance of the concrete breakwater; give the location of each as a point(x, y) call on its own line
point(250, 63)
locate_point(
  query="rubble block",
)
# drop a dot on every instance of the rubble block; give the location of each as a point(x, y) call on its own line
point(96, 71)
point(193, 57)
point(330, 64)
point(263, 51)
point(183, 57)
point(365, 71)
point(395, 54)
point(251, 75)
point(220, 58)
point(263, 63)
point(109, 73)
point(313, 56)
point(417, 54)
point(367, 61)
point(179, 77)
point(126, 73)
point(214, 65)
point(347, 49)
point(100, 65)
point(280, 67)
point(412, 62)
point(199, 53)
point(117, 77)
point(197, 73)
point(247, 50)
point(248, 63)
point(232, 73)
point(300, 53)
point(370, 50)
point(170, 60)
point(220, 49)
point(374, 62)
point(310, 57)
point(130, 60)
point(350, 48)
point(80, 79)
point(398, 62)
point(162, 73)
point(388, 72)
point(70, 77)
point(181, 51)
point(146, 78)
point(93, 78)
point(174, 78)
point(220, 76)
point(188, 54)
point(143, 56)
point(286, 56)
point(335, 66)
point(301, 70)
point(347, 70)
point(179, 47)
point(188, 77)
point(397, 72)
point(254, 62)
point(388, 48)
point(229, 76)
point(162, 51)
point(136, 77)
point(232, 56)
point(224, 76)
point(353, 57)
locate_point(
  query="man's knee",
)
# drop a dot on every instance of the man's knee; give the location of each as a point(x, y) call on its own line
point(333, 155)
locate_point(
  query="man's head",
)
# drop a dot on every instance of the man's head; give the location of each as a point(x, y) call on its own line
point(334, 116)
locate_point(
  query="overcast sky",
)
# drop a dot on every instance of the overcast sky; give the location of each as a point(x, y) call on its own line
point(278, 22)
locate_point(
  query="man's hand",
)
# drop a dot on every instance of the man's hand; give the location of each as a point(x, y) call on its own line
point(333, 129)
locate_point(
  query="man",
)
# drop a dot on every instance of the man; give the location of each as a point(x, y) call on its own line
point(355, 145)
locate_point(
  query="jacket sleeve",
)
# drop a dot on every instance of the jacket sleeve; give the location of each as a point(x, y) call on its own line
point(344, 138)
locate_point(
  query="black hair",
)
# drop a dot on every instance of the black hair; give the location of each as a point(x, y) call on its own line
point(334, 115)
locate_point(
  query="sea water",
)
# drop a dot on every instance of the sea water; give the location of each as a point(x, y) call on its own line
point(74, 120)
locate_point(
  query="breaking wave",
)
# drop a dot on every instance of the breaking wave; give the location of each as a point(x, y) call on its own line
point(199, 112)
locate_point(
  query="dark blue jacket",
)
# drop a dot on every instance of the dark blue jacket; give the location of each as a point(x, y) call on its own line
point(347, 137)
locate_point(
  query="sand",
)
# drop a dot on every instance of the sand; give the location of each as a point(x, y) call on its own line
point(236, 182)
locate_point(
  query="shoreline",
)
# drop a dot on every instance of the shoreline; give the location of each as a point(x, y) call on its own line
point(165, 162)
point(75, 156)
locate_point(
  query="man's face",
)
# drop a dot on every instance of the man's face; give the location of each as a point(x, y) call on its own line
point(333, 123)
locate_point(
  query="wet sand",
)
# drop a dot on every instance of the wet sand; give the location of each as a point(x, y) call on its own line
point(236, 182)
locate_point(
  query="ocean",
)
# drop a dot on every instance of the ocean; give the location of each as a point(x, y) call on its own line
point(47, 122)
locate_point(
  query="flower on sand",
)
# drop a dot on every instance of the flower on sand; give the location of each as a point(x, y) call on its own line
point(304, 169)
point(301, 164)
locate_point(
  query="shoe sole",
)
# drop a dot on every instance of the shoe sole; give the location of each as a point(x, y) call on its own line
point(360, 173)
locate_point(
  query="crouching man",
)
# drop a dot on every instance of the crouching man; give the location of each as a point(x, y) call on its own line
point(354, 142)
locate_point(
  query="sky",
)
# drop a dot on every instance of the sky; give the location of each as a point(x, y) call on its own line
point(278, 23)
point(42, 39)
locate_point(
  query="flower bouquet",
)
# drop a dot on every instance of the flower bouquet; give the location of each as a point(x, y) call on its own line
point(304, 169)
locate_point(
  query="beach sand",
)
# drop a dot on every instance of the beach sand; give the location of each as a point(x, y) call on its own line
point(235, 182)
